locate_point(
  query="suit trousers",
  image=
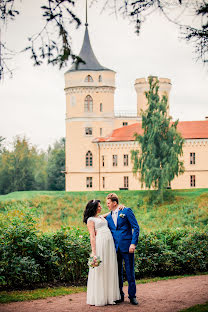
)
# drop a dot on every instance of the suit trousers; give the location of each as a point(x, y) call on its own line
point(129, 267)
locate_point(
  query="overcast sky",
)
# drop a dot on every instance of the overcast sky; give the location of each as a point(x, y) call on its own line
point(33, 101)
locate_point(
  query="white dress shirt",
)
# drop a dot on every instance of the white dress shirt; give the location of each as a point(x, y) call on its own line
point(115, 216)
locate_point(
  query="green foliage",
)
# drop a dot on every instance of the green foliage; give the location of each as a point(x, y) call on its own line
point(1, 140)
point(22, 168)
point(180, 209)
point(25, 168)
point(171, 252)
point(161, 144)
point(53, 47)
point(197, 308)
point(29, 257)
point(56, 166)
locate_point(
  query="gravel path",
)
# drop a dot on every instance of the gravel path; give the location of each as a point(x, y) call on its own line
point(161, 296)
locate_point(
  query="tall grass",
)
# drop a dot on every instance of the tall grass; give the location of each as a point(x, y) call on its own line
point(181, 208)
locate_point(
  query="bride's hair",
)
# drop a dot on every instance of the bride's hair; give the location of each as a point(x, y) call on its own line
point(91, 209)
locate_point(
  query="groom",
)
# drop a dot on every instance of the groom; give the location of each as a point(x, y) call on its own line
point(121, 223)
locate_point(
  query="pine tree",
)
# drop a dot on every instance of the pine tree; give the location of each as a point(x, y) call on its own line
point(161, 145)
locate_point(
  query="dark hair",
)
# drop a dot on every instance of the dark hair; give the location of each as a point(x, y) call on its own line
point(91, 209)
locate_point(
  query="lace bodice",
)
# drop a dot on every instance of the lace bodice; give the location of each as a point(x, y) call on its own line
point(100, 223)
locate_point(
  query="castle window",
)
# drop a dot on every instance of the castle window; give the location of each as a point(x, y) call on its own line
point(126, 182)
point(88, 131)
point(101, 107)
point(88, 159)
point(88, 104)
point(89, 182)
point(115, 160)
point(103, 160)
point(88, 78)
point(100, 78)
point(101, 131)
point(126, 159)
point(192, 158)
point(192, 180)
point(125, 123)
point(103, 182)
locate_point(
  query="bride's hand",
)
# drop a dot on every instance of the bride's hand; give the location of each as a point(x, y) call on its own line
point(121, 207)
point(93, 255)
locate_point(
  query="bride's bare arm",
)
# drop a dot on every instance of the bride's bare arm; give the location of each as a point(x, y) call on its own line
point(91, 229)
point(121, 207)
point(105, 214)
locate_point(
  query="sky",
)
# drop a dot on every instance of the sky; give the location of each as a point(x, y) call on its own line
point(32, 103)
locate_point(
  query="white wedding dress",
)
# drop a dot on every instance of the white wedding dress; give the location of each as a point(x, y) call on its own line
point(103, 283)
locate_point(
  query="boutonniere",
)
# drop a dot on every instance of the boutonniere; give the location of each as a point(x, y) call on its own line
point(122, 215)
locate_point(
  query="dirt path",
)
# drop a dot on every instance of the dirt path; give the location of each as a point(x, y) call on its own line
point(161, 296)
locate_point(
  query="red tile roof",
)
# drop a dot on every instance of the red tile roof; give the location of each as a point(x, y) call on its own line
point(188, 130)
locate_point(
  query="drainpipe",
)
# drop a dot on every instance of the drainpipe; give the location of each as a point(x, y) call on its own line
point(99, 164)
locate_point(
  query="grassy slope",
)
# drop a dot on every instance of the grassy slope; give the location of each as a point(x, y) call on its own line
point(182, 208)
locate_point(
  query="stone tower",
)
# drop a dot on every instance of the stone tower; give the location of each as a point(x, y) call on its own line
point(89, 114)
point(141, 85)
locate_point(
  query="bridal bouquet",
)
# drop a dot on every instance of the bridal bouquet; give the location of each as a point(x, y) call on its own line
point(94, 261)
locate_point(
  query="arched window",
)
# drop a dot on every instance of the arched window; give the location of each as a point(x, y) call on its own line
point(88, 78)
point(100, 78)
point(88, 104)
point(88, 159)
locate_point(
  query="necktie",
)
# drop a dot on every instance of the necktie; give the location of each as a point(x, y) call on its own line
point(115, 217)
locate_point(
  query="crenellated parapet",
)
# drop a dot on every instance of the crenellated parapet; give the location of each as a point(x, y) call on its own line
point(142, 85)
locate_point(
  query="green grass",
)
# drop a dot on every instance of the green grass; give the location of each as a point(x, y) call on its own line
point(41, 293)
point(181, 208)
point(197, 308)
point(94, 194)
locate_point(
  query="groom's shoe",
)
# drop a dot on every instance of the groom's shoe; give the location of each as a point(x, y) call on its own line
point(134, 301)
point(120, 300)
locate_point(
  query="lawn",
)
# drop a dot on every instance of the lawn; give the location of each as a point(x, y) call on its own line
point(181, 208)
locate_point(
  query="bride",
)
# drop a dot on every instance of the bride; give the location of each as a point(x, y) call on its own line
point(103, 282)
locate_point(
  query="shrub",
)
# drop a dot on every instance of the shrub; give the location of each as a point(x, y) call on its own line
point(29, 257)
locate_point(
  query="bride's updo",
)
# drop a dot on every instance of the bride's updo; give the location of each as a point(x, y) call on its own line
point(91, 209)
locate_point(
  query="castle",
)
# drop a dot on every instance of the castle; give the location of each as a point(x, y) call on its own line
point(99, 142)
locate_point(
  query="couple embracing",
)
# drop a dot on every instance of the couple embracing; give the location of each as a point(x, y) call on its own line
point(113, 238)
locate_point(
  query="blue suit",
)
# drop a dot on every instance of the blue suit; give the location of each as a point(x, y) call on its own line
point(123, 238)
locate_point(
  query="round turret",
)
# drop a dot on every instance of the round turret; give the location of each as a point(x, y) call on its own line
point(142, 85)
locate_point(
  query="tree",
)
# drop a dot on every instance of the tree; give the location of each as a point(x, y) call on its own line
point(56, 166)
point(1, 145)
point(161, 145)
point(22, 168)
point(140, 10)
point(53, 44)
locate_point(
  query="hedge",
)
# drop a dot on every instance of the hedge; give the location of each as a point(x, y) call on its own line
point(29, 257)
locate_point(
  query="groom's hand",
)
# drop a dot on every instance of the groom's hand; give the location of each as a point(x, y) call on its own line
point(132, 248)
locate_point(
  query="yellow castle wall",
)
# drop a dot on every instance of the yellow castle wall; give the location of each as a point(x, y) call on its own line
point(77, 143)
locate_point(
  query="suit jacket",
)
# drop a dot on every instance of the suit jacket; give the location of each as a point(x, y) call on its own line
point(122, 234)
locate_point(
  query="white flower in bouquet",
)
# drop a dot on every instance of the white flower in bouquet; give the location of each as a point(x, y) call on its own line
point(94, 261)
